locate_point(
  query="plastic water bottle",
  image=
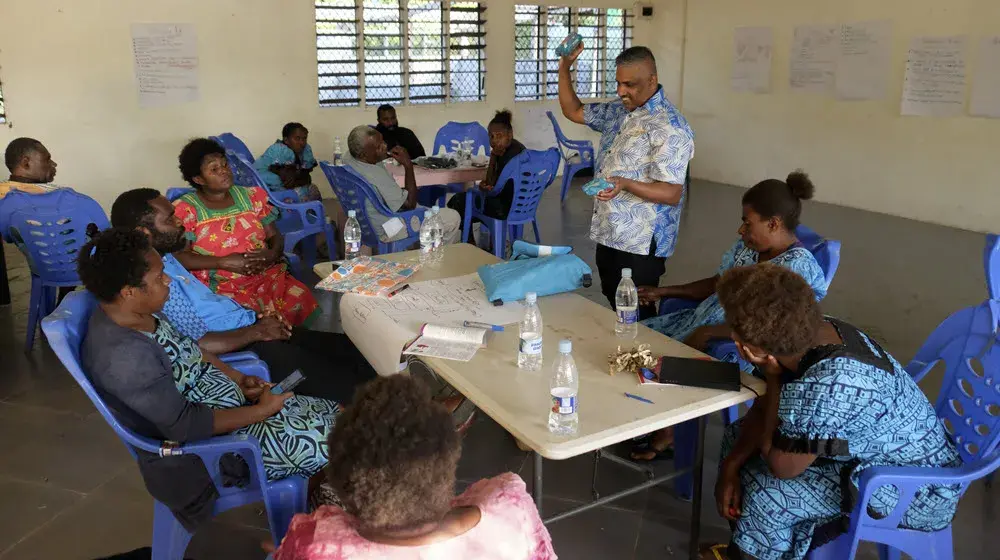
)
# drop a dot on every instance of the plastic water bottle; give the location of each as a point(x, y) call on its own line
point(338, 152)
point(564, 386)
point(438, 230)
point(529, 349)
point(627, 305)
point(352, 236)
point(427, 238)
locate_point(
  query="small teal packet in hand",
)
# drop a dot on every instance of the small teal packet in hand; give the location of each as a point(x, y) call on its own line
point(596, 185)
point(569, 44)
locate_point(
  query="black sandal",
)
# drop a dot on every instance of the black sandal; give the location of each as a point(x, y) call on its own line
point(646, 447)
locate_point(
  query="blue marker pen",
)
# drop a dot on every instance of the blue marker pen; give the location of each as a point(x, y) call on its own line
point(487, 326)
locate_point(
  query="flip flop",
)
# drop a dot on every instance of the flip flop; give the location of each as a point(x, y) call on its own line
point(646, 447)
point(714, 552)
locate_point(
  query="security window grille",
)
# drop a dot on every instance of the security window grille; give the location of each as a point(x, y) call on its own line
point(538, 30)
point(411, 51)
point(3, 108)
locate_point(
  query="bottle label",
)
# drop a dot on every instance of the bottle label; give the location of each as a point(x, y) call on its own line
point(627, 316)
point(531, 345)
point(564, 405)
point(354, 247)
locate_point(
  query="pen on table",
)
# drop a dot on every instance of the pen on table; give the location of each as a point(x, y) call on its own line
point(487, 326)
point(397, 290)
point(638, 398)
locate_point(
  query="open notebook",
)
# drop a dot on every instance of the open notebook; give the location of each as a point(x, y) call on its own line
point(450, 343)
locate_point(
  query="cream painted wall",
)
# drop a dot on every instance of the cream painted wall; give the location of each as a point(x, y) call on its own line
point(68, 81)
point(861, 154)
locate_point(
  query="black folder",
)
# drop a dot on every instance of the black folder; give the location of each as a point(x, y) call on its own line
point(694, 372)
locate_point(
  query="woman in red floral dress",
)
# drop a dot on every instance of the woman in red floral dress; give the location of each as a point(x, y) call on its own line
point(235, 248)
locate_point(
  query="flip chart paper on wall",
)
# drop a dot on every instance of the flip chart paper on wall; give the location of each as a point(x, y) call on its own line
point(752, 59)
point(934, 84)
point(985, 100)
point(165, 59)
point(813, 60)
point(863, 61)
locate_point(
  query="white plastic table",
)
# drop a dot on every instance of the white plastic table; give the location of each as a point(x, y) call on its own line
point(519, 400)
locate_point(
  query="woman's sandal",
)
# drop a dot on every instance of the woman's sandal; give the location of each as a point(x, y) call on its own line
point(714, 552)
point(664, 454)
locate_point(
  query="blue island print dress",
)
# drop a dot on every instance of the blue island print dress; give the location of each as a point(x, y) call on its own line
point(280, 154)
point(855, 407)
point(678, 325)
point(292, 442)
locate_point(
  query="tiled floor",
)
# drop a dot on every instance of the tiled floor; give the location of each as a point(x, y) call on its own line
point(68, 489)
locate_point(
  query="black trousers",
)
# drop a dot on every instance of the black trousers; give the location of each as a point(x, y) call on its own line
point(333, 366)
point(646, 271)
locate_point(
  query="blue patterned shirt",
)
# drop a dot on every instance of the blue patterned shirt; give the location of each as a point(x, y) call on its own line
point(195, 310)
point(653, 143)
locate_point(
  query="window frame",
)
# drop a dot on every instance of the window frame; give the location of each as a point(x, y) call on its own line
point(545, 42)
point(470, 32)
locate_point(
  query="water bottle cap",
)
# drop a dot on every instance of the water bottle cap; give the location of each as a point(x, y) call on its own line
point(352, 214)
point(435, 210)
point(530, 297)
point(626, 273)
point(565, 346)
point(428, 213)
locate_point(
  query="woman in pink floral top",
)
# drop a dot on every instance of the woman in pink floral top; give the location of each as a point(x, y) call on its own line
point(393, 455)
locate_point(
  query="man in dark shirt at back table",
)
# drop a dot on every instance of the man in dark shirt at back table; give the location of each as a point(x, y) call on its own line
point(395, 135)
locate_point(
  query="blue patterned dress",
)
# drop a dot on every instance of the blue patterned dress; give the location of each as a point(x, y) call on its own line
point(280, 154)
point(292, 442)
point(858, 408)
point(680, 324)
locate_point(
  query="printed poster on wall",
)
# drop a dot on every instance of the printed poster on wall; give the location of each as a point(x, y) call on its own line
point(864, 60)
point(166, 63)
point(985, 100)
point(934, 85)
point(813, 61)
point(752, 59)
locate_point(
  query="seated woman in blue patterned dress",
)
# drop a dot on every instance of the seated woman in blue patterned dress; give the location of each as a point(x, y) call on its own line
point(836, 404)
point(288, 163)
point(771, 211)
point(162, 385)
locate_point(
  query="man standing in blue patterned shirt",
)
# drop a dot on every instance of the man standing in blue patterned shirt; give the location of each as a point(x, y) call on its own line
point(646, 145)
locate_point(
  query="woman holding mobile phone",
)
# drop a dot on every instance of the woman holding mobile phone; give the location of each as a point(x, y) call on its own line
point(163, 386)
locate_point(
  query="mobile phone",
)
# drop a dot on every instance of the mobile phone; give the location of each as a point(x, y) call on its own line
point(289, 383)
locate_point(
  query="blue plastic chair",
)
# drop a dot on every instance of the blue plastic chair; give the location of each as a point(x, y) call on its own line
point(230, 141)
point(460, 131)
point(299, 221)
point(66, 329)
point(530, 173)
point(991, 265)
point(49, 229)
point(969, 407)
point(353, 191)
point(573, 163)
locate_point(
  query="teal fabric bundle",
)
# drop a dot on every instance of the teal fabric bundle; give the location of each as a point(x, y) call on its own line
point(542, 269)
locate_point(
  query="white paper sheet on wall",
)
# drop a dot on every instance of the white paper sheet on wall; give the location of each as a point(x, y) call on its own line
point(863, 61)
point(813, 61)
point(985, 100)
point(752, 48)
point(165, 58)
point(934, 84)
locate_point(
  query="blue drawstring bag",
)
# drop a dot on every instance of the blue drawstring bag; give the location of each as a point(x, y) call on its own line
point(596, 185)
point(542, 269)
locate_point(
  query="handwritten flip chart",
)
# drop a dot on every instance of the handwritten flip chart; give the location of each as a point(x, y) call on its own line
point(813, 61)
point(863, 62)
point(935, 77)
point(165, 62)
point(382, 327)
point(985, 100)
point(752, 59)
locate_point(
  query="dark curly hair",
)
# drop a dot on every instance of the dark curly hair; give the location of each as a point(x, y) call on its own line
point(132, 208)
point(114, 259)
point(393, 455)
point(783, 199)
point(290, 128)
point(770, 307)
point(194, 154)
point(504, 118)
point(18, 149)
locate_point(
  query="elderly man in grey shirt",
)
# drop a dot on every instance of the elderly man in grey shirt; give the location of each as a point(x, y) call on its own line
point(367, 155)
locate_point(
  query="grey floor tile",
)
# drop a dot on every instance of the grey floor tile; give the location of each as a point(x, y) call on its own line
point(598, 534)
point(221, 541)
point(26, 507)
point(98, 526)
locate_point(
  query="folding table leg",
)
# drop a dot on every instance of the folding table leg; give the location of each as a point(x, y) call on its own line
point(697, 475)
